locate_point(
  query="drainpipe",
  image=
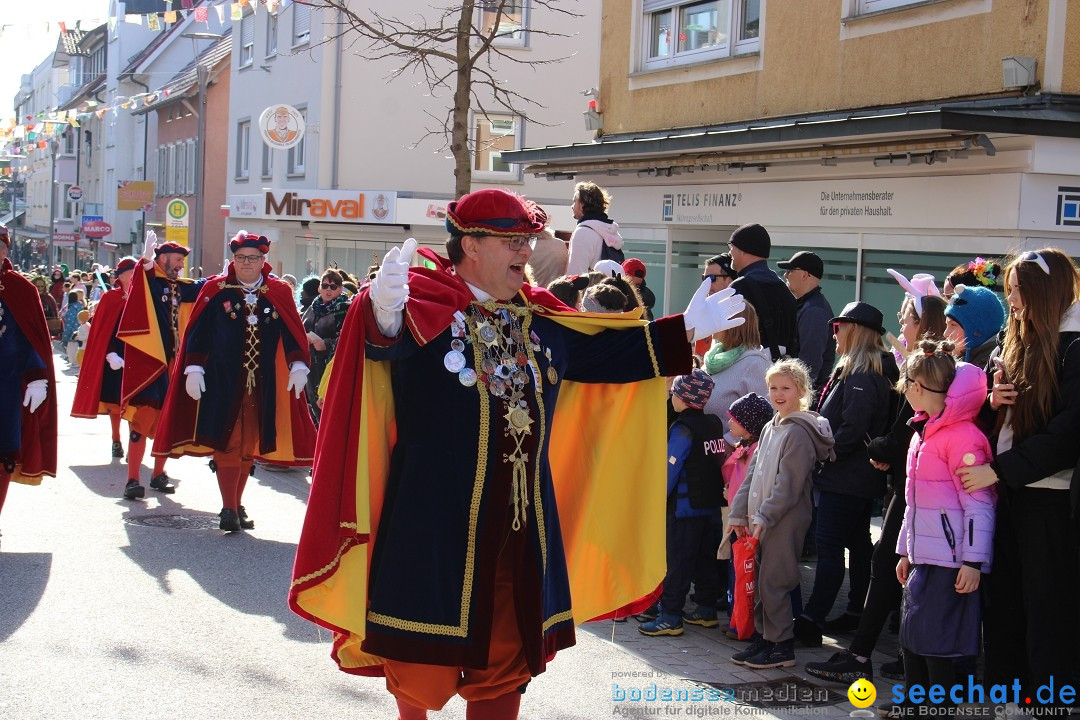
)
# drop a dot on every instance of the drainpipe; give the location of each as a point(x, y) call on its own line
point(145, 138)
point(337, 106)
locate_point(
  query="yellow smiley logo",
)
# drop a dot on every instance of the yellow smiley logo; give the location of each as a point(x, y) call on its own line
point(862, 693)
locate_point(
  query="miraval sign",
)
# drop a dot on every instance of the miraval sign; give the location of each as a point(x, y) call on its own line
point(362, 206)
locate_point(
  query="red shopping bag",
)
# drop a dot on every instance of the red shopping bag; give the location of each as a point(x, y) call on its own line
point(744, 555)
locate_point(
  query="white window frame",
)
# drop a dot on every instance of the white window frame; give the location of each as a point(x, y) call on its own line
point(247, 40)
point(493, 121)
point(162, 167)
point(68, 143)
point(513, 38)
point(865, 7)
point(243, 149)
point(271, 33)
point(68, 212)
point(267, 161)
point(301, 24)
point(735, 45)
point(296, 163)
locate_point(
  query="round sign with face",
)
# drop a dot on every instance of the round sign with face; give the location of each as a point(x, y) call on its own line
point(281, 126)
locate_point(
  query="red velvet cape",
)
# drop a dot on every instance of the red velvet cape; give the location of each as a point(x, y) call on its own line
point(38, 451)
point(106, 319)
point(179, 415)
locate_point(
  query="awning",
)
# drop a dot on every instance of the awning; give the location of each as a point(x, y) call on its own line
point(923, 128)
point(7, 219)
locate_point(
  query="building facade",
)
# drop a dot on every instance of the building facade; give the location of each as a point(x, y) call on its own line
point(912, 134)
point(368, 174)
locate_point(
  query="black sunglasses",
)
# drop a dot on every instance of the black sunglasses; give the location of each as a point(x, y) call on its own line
point(714, 277)
point(330, 286)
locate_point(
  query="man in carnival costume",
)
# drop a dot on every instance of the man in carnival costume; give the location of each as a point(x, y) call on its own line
point(155, 315)
point(100, 377)
point(443, 544)
point(27, 407)
point(236, 389)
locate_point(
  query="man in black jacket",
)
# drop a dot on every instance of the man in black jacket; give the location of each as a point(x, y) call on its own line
point(750, 246)
point(803, 273)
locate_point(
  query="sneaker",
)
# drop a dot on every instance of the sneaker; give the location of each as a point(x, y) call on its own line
point(756, 646)
point(807, 632)
point(893, 670)
point(133, 490)
point(650, 613)
point(842, 667)
point(162, 485)
point(732, 633)
point(245, 522)
point(702, 616)
point(777, 655)
point(663, 625)
point(117, 449)
point(846, 623)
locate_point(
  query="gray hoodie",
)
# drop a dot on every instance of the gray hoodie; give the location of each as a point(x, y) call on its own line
point(780, 476)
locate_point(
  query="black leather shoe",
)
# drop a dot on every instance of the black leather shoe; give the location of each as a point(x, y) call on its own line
point(846, 623)
point(133, 490)
point(807, 632)
point(230, 521)
point(161, 484)
point(245, 522)
point(117, 449)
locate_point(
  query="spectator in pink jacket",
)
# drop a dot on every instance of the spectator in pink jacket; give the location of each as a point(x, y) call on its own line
point(947, 535)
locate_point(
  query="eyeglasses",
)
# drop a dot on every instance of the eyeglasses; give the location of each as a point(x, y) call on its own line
point(836, 327)
point(519, 241)
point(1037, 259)
point(908, 382)
point(713, 277)
point(330, 286)
point(248, 259)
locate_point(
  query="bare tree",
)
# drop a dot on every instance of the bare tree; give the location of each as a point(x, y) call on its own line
point(458, 57)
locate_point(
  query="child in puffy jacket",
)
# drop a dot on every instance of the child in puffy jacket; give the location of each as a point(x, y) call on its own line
point(946, 538)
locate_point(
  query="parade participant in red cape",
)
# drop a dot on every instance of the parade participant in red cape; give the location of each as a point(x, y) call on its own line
point(442, 544)
point(236, 389)
point(154, 318)
point(27, 381)
point(100, 377)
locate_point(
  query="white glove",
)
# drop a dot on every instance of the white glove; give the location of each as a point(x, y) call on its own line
point(148, 248)
point(115, 361)
point(297, 379)
point(708, 314)
point(389, 287)
point(608, 267)
point(36, 390)
point(195, 384)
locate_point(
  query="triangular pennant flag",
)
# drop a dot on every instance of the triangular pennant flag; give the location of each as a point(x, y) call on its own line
point(237, 12)
point(201, 14)
point(220, 10)
point(112, 26)
point(152, 21)
point(170, 17)
point(133, 19)
point(73, 122)
point(63, 28)
point(271, 5)
point(186, 4)
point(100, 113)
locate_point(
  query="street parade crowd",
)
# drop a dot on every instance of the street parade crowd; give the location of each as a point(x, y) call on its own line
point(489, 429)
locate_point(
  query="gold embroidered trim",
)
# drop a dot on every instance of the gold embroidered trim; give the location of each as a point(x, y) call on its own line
point(556, 619)
point(652, 351)
point(333, 563)
point(418, 627)
point(412, 326)
point(526, 327)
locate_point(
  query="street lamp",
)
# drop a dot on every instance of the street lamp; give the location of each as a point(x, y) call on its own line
point(202, 74)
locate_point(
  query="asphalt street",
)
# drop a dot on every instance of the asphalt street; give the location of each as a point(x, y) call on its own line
point(108, 612)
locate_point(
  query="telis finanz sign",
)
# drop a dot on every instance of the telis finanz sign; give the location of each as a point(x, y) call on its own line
point(359, 206)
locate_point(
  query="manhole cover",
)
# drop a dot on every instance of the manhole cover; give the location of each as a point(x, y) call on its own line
point(789, 692)
point(175, 522)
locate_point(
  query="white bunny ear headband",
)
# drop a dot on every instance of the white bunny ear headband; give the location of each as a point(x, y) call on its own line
point(919, 286)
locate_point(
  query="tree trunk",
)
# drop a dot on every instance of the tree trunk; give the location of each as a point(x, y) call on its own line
point(459, 132)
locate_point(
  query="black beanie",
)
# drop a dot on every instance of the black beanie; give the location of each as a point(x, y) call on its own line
point(753, 239)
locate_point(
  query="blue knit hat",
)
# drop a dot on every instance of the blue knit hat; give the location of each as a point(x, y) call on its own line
point(693, 389)
point(979, 312)
point(751, 411)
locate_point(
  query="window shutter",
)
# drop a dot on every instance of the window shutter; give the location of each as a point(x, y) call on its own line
point(247, 30)
point(654, 5)
point(301, 21)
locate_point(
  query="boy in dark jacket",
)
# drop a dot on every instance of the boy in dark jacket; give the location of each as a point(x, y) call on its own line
point(696, 452)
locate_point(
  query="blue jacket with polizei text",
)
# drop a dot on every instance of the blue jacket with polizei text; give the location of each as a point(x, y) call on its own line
point(696, 451)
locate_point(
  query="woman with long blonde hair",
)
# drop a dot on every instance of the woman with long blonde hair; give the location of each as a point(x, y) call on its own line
point(856, 402)
point(1031, 626)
